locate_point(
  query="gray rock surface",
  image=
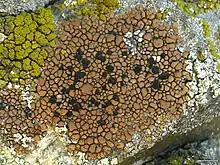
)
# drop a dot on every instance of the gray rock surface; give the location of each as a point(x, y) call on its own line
point(16, 6)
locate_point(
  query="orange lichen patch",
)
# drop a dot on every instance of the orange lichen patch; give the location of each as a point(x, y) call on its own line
point(102, 90)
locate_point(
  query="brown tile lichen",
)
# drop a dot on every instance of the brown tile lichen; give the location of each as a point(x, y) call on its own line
point(103, 92)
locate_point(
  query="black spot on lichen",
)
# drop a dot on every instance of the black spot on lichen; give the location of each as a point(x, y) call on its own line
point(79, 54)
point(155, 69)
point(100, 56)
point(112, 80)
point(110, 68)
point(85, 63)
point(125, 53)
point(79, 75)
point(137, 68)
point(101, 121)
point(69, 114)
point(109, 52)
point(151, 61)
point(104, 74)
point(53, 99)
point(163, 55)
point(163, 76)
point(156, 84)
point(27, 112)
point(124, 76)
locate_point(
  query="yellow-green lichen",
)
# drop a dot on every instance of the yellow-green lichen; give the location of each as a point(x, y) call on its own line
point(2, 83)
point(22, 53)
point(214, 53)
point(91, 7)
point(213, 50)
point(206, 28)
point(194, 8)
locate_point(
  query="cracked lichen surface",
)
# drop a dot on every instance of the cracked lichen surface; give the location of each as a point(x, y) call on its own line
point(112, 86)
point(107, 82)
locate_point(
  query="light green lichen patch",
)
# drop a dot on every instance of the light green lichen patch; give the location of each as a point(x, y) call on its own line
point(212, 41)
point(194, 8)
point(23, 52)
point(90, 7)
point(206, 28)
